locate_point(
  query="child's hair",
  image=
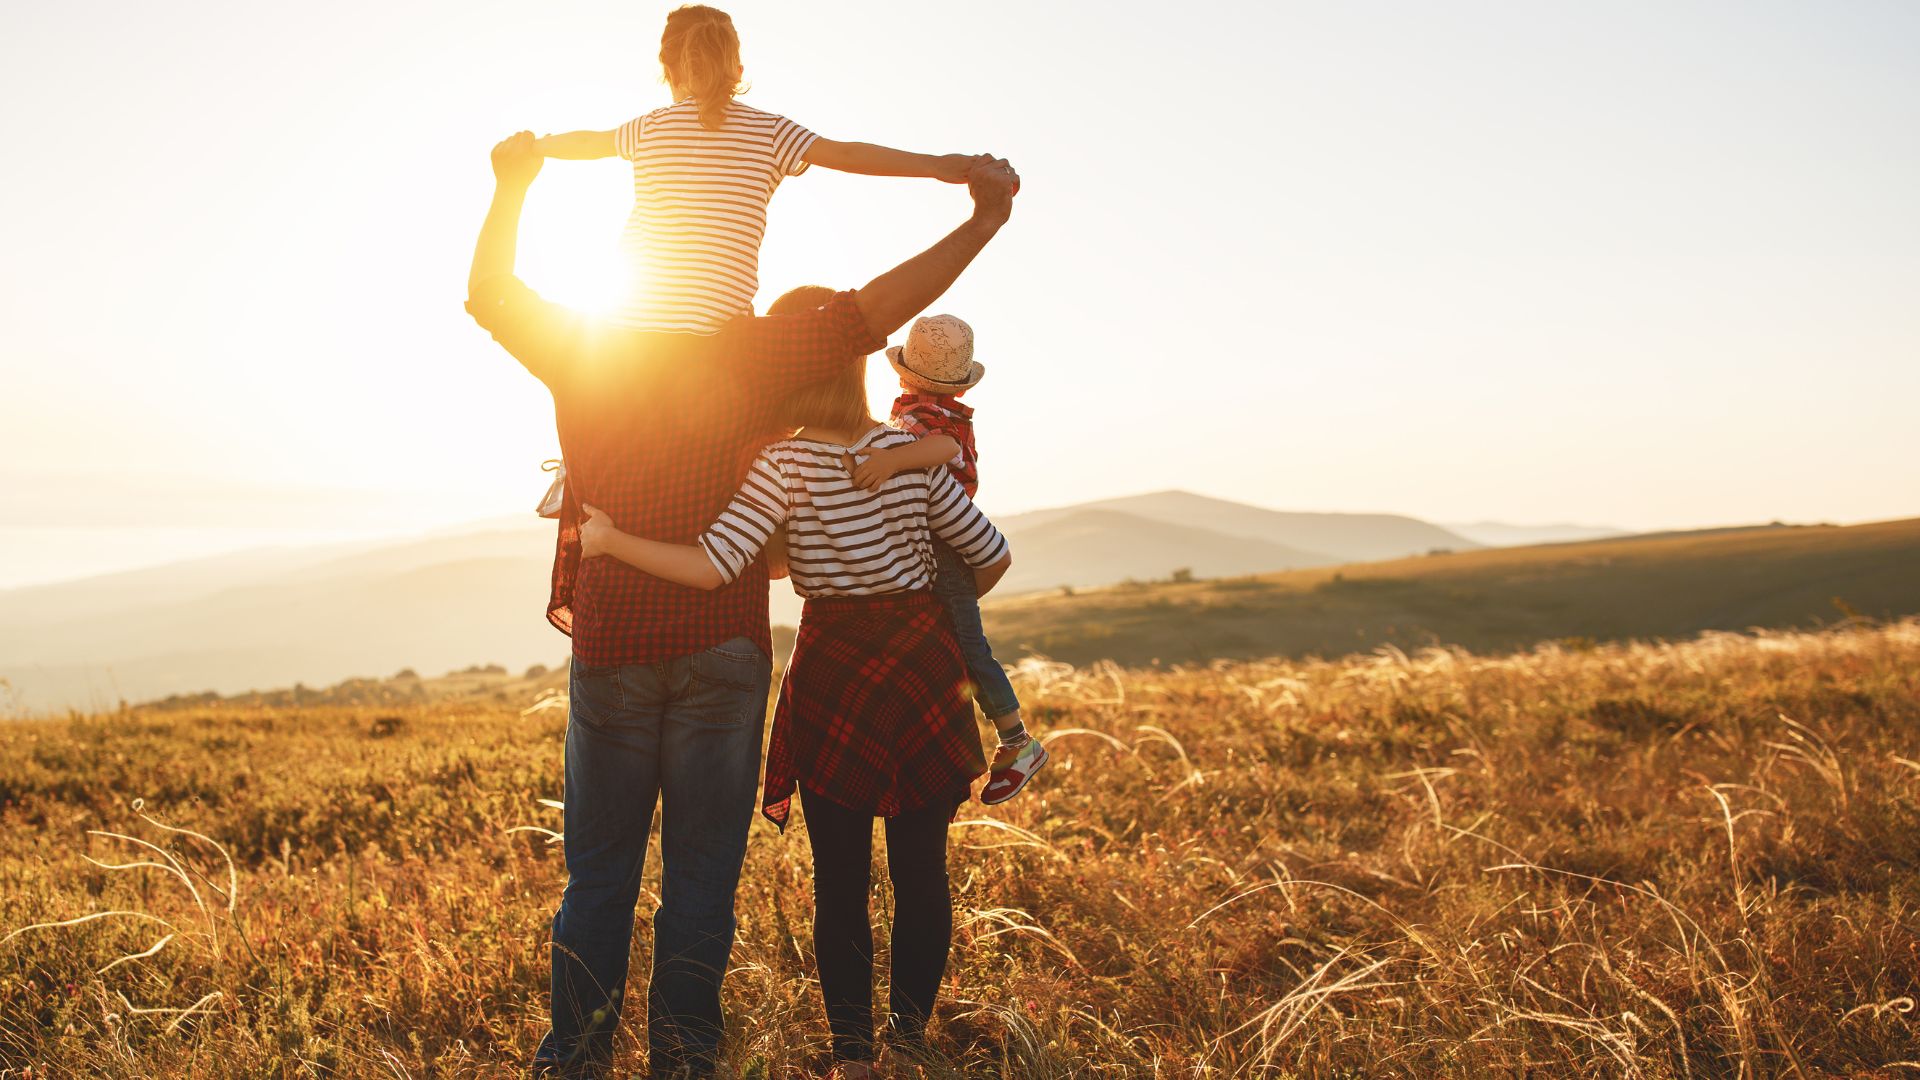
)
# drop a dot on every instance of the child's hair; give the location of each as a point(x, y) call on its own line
point(701, 53)
point(838, 403)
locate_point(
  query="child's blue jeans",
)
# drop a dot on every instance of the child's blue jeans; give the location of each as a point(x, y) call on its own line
point(955, 588)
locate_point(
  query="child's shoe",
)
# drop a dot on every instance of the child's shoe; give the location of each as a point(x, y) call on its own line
point(1013, 766)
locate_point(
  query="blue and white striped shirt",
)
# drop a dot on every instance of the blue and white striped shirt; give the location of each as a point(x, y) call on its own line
point(843, 540)
point(700, 211)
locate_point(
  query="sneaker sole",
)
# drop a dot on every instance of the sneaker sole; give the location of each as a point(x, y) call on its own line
point(1039, 763)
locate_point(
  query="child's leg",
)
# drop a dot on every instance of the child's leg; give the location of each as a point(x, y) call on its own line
point(954, 585)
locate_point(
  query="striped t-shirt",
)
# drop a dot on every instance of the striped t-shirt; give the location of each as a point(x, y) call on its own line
point(700, 197)
point(843, 540)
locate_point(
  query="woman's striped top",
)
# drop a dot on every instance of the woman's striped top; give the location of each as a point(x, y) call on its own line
point(843, 540)
point(700, 197)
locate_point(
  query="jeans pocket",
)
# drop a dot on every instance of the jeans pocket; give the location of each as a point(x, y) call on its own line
point(737, 664)
point(593, 693)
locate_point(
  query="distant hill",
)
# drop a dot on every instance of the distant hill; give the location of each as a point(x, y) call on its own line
point(1501, 534)
point(1334, 538)
point(321, 615)
point(1098, 547)
point(444, 602)
point(1666, 587)
point(274, 618)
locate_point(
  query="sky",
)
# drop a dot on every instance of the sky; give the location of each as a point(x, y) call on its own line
point(1644, 264)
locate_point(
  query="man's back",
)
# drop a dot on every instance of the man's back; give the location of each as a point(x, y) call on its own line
point(659, 430)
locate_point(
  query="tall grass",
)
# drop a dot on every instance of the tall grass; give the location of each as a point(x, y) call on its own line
point(1698, 859)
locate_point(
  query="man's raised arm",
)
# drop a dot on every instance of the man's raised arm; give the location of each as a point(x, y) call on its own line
point(888, 301)
point(515, 163)
point(789, 351)
point(541, 335)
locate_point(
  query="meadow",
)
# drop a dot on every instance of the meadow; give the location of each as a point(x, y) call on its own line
point(1668, 586)
point(1692, 859)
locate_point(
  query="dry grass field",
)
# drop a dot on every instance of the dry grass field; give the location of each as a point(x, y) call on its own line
point(1662, 860)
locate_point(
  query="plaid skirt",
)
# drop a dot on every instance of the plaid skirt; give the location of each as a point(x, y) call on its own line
point(875, 712)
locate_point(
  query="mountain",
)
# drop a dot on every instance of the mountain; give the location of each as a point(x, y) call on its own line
point(1337, 538)
point(1099, 547)
point(1501, 534)
point(447, 600)
point(280, 616)
point(1671, 586)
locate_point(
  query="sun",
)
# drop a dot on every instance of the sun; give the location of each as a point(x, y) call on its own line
point(570, 238)
point(589, 279)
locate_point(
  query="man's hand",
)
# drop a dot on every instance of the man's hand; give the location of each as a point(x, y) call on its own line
point(888, 301)
point(872, 469)
point(595, 531)
point(993, 183)
point(517, 160)
point(955, 168)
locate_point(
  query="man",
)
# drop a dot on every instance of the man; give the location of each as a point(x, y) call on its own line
point(669, 685)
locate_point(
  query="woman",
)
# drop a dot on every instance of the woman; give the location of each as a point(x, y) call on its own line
point(875, 718)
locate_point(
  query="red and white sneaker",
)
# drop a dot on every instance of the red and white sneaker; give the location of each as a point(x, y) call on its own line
point(1007, 780)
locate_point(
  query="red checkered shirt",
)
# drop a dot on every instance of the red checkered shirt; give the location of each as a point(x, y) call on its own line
point(921, 415)
point(875, 712)
point(658, 430)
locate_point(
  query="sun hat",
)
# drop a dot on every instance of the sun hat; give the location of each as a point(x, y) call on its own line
point(938, 356)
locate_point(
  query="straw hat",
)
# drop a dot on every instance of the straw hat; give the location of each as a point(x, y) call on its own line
point(938, 356)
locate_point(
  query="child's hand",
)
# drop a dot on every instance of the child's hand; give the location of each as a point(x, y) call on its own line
point(515, 159)
point(953, 168)
point(874, 468)
point(595, 531)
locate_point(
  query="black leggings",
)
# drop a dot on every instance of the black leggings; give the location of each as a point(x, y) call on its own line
point(842, 842)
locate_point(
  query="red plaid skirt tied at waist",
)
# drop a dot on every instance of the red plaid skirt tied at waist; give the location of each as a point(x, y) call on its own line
point(875, 712)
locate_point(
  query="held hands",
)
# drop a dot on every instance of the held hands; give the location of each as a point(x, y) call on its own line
point(595, 531)
point(993, 183)
point(953, 168)
point(517, 160)
point(872, 469)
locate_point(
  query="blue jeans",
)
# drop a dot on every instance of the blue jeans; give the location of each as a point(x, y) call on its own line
point(955, 588)
point(685, 732)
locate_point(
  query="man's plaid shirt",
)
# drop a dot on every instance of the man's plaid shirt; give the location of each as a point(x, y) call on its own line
point(658, 430)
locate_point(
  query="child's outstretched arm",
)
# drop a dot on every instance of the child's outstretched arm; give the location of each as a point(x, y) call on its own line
point(878, 466)
point(870, 160)
point(682, 564)
point(577, 145)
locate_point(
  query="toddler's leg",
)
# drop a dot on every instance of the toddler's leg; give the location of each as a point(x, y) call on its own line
point(992, 690)
point(1019, 755)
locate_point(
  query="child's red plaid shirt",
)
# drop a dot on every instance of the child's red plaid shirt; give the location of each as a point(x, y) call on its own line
point(921, 415)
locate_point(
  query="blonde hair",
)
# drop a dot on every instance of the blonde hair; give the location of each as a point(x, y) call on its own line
point(701, 54)
point(837, 403)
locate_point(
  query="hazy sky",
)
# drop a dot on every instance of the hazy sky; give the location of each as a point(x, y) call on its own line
point(1645, 264)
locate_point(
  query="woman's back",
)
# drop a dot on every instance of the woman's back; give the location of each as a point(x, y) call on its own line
point(843, 540)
